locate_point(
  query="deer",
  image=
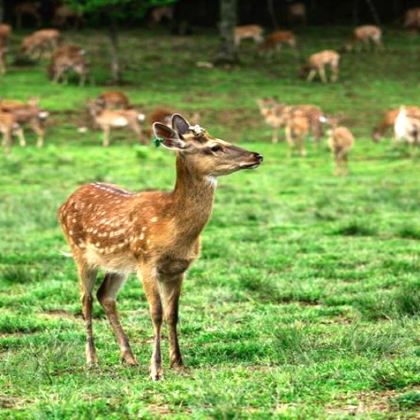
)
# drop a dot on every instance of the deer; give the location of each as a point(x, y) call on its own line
point(9, 127)
point(317, 62)
point(27, 113)
point(412, 19)
point(276, 115)
point(340, 142)
point(41, 43)
point(107, 119)
point(64, 14)
point(161, 13)
point(28, 8)
point(275, 40)
point(3, 52)
point(365, 36)
point(153, 233)
point(388, 121)
point(407, 127)
point(254, 32)
point(5, 32)
point(296, 13)
point(297, 128)
point(113, 100)
point(66, 59)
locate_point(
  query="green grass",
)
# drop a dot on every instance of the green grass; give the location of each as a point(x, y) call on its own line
point(305, 301)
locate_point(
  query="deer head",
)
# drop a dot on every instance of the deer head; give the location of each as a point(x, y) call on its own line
point(203, 154)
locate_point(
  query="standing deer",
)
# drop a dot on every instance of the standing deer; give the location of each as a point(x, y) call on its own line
point(340, 142)
point(161, 13)
point(5, 32)
point(275, 40)
point(67, 59)
point(8, 127)
point(27, 113)
point(412, 19)
point(27, 8)
point(365, 36)
point(153, 233)
point(254, 32)
point(107, 119)
point(316, 64)
point(296, 13)
point(41, 43)
point(113, 100)
point(297, 128)
point(63, 14)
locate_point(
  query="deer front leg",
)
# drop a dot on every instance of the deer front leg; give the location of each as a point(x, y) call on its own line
point(311, 75)
point(170, 288)
point(334, 70)
point(322, 74)
point(105, 142)
point(21, 136)
point(107, 295)
point(150, 286)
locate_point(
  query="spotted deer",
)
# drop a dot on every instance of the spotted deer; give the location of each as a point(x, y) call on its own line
point(407, 127)
point(254, 32)
point(28, 8)
point(28, 113)
point(5, 32)
point(68, 59)
point(9, 127)
point(274, 41)
point(155, 234)
point(412, 19)
point(297, 129)
point(107, 119)
point(41, 43)
point(340, 142)
point(317, 63)
point(366, 36)
point(113, 100)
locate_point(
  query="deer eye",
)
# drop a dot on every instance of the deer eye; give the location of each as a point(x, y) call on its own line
point(216, 148)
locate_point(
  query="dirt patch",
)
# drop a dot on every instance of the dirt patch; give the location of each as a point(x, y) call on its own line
point(12, 402)
point(60, 313)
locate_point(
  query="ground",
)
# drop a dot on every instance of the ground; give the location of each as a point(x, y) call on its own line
point(305, 301)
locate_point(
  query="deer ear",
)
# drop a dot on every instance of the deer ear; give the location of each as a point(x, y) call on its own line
point(168, 138)
point(180, 124)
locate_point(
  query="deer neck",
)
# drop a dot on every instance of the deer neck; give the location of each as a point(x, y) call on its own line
point(193, 198)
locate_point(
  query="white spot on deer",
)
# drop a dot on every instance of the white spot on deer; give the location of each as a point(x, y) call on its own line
point(143, 228)
point(141, 237)
point(154, 219)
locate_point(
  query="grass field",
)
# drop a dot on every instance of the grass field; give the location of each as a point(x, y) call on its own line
point(305, 302)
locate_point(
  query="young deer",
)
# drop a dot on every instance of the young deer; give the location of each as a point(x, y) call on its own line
point(248, 31)
point(275, 40)
point(340, 142)
point(113, 100)
point(365, 36)
point(41, 43)
point(153, 233)
point(107, 119)
point(28, 113)
point(407, 127)
point(8, 127)
point(316, 64)
point(412, 18)
point(68, 58)
point(297, 128)
point(28, 8)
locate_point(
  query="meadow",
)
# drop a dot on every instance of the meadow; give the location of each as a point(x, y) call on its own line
point(305, 301)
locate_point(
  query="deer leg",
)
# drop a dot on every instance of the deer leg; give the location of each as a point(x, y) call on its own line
point(107, 295)
point(322, 74)
point(105, 142)
point(170, 289)
point(150, 286)
point(7, 140)
point(87, 279)
point(37, 129)
point(21, 136)
point(334, 76)
point(289, 139)
point(311, 75)
point(275, 137)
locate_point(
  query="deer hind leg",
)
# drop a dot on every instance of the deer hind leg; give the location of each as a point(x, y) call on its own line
point(311, 75)
point(87, 279)
point(136, 128)
point(170, 289)
point(322, 74)
point(334, 73)
point(150, 286)
point(21, 136)
point(105, 142)
point(107, 295)
point(39, 130)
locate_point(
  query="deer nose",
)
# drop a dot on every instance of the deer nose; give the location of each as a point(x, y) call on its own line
point(259, 157)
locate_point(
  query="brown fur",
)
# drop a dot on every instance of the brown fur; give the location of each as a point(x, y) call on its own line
point(3, 52)
point(254, 32)
point(158, 14)
point(412, 18)
point(8, 127)
point(5, 32)
point(28, 8)
point(340, 142)
point(113, 100)
point(297, 128)
point(64, 14)
point(366, 36)
point(27, 113)
point(317, 62)
point(275, 40)
point(296, 13)
point(153, 233)
point(41, 43)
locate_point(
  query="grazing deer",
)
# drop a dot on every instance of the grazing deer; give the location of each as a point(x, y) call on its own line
point(248, 31)
point(28, 113)
point(67, 59)
point(113, 100)
point(276, 115)
point(9, 127)
point(275, 40)
point(153, 233)
point(5, 32)
point(340, 142)
point(365, 36)
point(41, 43)
point(296, 13)
point(412, 19)
point(316, 64)
point(64, 14)
point(107, 119)
point(407, 127)
point(27, 8)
